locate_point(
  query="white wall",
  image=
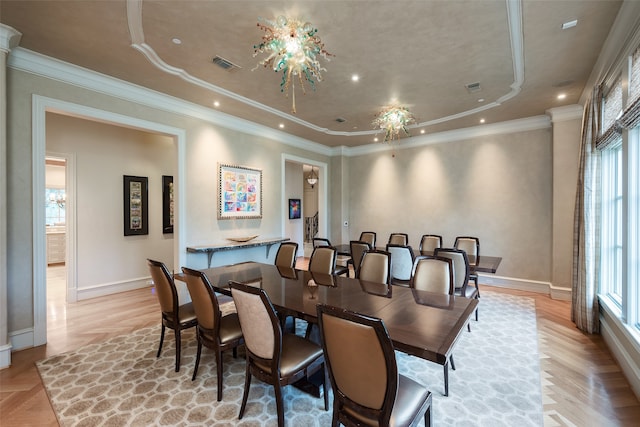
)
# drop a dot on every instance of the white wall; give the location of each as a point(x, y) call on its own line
point(103, 154)
point(294, 228)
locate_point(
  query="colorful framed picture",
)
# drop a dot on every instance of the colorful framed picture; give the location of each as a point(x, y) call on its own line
point(136, 212)
point(167, 204)
point(294, 208)
point(239, 192)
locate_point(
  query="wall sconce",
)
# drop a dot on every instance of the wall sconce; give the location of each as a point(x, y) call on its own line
point(312, 179)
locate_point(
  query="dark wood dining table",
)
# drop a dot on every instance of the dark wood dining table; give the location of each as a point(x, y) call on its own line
point(486, 263)
point(423, 324)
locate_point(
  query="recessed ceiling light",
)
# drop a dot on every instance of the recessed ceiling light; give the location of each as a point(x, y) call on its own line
point(355, 78)
point(375, 139)
point(569, 24)
point(176, 40)
point(481, 120)
point(422, 131)
point(562, 96)
point(216, 104)
point(480, 99)
point(281, 125)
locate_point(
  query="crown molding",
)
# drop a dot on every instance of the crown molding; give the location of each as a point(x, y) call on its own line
point(9, 38)
point(567, 112)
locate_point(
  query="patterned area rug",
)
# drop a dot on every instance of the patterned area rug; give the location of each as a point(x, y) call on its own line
point(120, 382)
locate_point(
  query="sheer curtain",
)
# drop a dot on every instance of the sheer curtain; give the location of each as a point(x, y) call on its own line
point(586, 228)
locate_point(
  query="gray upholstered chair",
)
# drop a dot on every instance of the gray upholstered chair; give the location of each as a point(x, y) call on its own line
point(214, 330)
point(398, 239)
point(340, 264)
point(471, 245)
point(433, 275)
point(175, 316)
point(272, 356)
point(429, 243)
point(368, 391)
point(401, 264)
point(286, 256)
point(357, 248)
point(375, 266)
point(460, 264)
point(323, 260)
point(369, 237)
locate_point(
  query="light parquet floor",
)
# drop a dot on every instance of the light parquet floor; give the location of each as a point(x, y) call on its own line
point(581, 383)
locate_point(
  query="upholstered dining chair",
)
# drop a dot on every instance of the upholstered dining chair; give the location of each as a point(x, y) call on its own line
point(175, 316)
point(460, 264)
point(433, 275)
point(429, 242)
point(398, 239)
point(401, 264)
point(272, 356)
point(471, 245)
point(368, 391)
point(323, 260)
point(369, 237)
point(214, 330)
point(342, 261)
point(286, 255)
point(357, 250)
point(375, 267)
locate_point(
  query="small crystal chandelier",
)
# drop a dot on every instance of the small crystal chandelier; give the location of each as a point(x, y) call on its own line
point(294, 48)
point(393, 119)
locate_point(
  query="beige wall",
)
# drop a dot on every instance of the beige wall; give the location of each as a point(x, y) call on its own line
point(498, 188)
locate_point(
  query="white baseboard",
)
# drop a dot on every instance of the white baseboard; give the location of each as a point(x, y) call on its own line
point(5, 356)
point(525, 285)
point(113, 288)
point(21, 339)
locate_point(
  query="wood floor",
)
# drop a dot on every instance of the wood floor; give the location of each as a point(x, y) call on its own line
point(581, 383)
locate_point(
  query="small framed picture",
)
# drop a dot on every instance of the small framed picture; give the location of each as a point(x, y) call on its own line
point(136, 212)
point(294, 208)
point(167, 204)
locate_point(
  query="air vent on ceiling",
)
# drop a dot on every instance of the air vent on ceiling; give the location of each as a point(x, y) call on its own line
point(473, 87)
point(225, 64)
point(341, 120)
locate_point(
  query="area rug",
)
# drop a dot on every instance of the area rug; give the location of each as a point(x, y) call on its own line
point(121, 382)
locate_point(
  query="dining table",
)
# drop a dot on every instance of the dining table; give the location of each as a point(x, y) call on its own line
point(483, 263)
point(423, 324)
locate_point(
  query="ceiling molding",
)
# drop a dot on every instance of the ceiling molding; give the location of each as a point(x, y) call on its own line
point(568, 112)
point(9, 38)
point(516, 36)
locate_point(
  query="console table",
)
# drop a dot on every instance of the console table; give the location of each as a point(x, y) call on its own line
point(229, 246)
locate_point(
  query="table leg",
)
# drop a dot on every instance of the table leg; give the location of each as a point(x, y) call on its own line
point(209, 257)
point(446, 378)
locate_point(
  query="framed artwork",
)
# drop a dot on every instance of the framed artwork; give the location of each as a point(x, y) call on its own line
point(294, 208)
point(239, 192)
point(167, 204)
point(136, 200)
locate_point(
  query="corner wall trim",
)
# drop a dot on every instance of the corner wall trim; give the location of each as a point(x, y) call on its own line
point(5, 356)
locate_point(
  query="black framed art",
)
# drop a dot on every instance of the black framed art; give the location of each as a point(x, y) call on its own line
point(136, 200)
point(167, 204)
point(294, 208)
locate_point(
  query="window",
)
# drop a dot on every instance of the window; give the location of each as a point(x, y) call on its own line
point(633, 232)
point(612, 245)
point(55, 200)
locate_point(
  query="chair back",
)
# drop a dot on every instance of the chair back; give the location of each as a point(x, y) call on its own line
point(460, 264)
point(369, 237)
point(319, 241)
point(203, 298)
point(398, 239)
point(258, 321)
point(471, 245)
point(430, 242)
point(357, 249)
point(165, 287)
point(287, 272)
point(375, 266)
point(433, 275)
point(401, 262)
point(323, 260)
point(286, 256)
point(364, 388)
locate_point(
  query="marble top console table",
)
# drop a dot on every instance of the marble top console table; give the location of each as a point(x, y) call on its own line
point(230, 246)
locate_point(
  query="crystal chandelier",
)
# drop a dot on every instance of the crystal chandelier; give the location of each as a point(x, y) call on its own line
point(293, 48)
point(393, 119)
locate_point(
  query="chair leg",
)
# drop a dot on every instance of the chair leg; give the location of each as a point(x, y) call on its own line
point(219, 372)
point(178, 345)
point(161, 341)
point(279, 404)
point(195, 369)
point(325, 386)
point(476, 314)
point(469, 327)
point(245, 395)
